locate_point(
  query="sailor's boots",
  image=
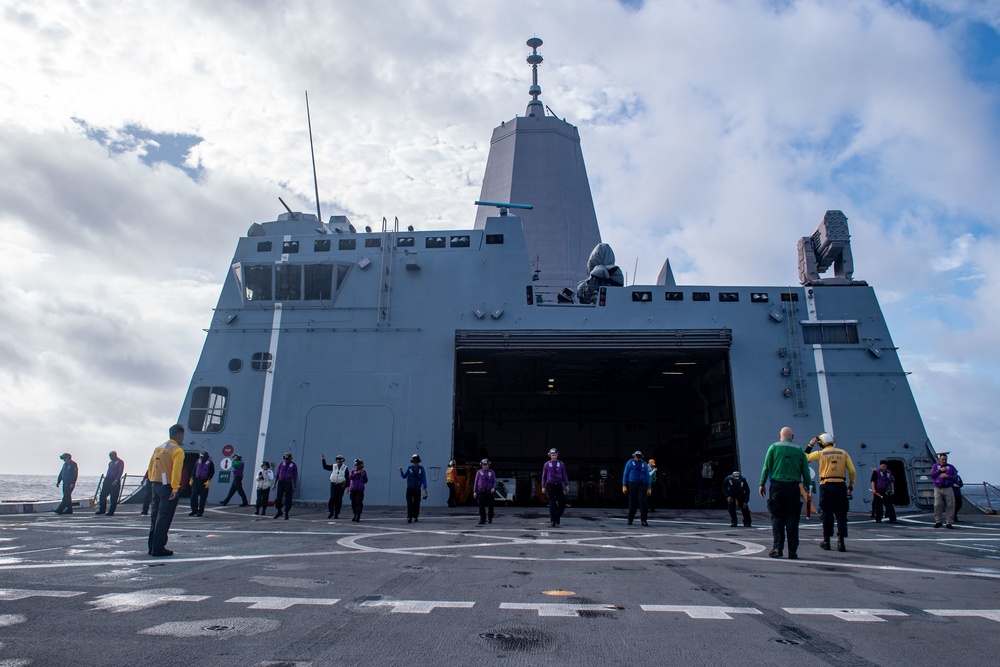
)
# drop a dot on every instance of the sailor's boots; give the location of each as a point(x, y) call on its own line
point(825, 544)
point(840, 544)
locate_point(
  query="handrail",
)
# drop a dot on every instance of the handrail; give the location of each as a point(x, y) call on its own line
point(986, 491)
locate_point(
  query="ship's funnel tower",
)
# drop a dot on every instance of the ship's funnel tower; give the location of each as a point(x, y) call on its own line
point(537, 160)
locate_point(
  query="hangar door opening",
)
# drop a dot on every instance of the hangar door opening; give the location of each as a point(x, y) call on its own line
point(597, 397)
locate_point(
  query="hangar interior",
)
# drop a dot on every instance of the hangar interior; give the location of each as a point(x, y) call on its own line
point(597, 405)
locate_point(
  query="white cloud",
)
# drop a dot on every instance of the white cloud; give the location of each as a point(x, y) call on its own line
point(715, 134)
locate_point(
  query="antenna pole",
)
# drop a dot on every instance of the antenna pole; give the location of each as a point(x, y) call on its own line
point(312, 152)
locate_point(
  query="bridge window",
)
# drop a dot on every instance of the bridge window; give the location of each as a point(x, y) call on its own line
point(460, 241)
point(347, 244)
point(434, 242)
point(261, 361)
point(373, 243)
point(758, 297)
point(258, 283)
point(263, 246)
point(843, 333)
point(404, 242)
point(494, 239)
point(208, 409)
point(675, 296)
point(319, 278)
point(288, 282)
point(729, 297)
point(342, 270)
point(701, 296)
point(289, 247)
point(321, 245)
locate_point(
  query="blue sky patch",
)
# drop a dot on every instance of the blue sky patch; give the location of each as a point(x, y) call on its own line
point(151, 147)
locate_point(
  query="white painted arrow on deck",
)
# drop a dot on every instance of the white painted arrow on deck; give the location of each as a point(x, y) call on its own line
point(417, 606)
point(21, 594)
point(557, 609)
point(989, 614)
point(281, 603)
point(121, 602)
point(859, 615)
point(702, 612)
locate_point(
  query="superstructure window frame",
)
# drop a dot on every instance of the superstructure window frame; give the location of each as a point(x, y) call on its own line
point(208, 409)
point(830, 333)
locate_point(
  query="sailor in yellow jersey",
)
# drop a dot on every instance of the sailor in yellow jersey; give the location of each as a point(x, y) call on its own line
point(165, 477)
point(836, 481)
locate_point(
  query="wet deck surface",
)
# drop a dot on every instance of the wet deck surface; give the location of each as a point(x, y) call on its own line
point(311, 591)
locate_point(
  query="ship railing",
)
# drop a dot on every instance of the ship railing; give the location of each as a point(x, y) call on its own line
point(986, 501)
point(126, 482)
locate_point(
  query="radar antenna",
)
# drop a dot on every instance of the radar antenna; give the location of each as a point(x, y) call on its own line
point(535, 107)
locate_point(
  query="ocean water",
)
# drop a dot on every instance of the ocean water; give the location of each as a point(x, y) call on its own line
point(36, 488)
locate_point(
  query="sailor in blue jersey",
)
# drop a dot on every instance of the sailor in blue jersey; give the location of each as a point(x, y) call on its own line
point(483, 489)
point(67, 477)
point(637, 484)
point(416, 479)
point(554, 481)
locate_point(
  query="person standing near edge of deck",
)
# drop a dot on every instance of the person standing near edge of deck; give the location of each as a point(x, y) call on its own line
point(554, 481)
point(67, 477)
point(786, 466)
point(164, 472)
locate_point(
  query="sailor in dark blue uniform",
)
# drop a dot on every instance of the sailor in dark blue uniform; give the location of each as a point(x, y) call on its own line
point(67, 477)
point(415, 479)
point(636, 483)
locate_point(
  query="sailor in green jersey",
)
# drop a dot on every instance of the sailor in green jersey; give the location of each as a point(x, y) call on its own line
point(785, 464)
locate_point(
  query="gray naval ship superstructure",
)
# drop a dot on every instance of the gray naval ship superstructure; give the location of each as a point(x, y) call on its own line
point(519, 335)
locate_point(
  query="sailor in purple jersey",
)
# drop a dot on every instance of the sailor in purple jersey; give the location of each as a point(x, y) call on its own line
point(204, 471)
point(483, 489)
point(286, 477)
point(112, 485)
point(554, 481)
point(358, 479)
point(945, 476)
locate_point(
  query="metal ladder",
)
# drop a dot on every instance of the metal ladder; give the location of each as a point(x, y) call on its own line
point(385, 284)
point(794, 356)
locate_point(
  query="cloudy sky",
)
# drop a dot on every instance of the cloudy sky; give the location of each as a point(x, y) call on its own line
point(139, 140)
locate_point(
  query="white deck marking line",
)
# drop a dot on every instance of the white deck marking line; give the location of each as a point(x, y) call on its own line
point(855, 615)
point(990, 614)
point(417, 606)
point(702, 612)
point(145, 560)
point(11, 619)
point(557, 609)
point(7, 594)
point(281, 603)
point(135, 600)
